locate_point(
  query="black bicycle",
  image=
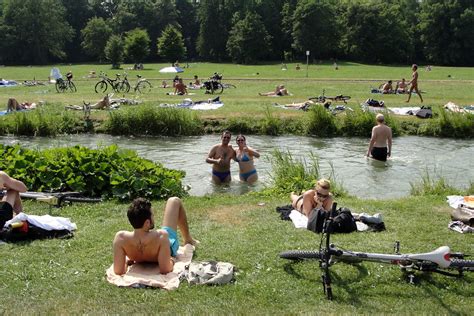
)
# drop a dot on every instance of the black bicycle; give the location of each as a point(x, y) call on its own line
point(118, 84)
point(441, 260)
point(65, 85)
point(322, 98)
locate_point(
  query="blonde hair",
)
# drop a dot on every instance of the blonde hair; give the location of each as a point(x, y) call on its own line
point(324, 184)
point(380, 118)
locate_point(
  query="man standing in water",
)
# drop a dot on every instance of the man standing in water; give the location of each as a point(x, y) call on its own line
point(220, 156)
point(414, 83)
point(380, 146)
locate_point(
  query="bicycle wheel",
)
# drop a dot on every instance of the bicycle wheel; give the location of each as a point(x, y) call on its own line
point(144, 86)
point(72, 86)
point(219, 89)
point(123, 87)
point(82, 199)
point(462, 264)
point(101, 87)
point(301, 255)
point(61, 86)
point(229, 86)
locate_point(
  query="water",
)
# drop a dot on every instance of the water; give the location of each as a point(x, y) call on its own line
point(362, 177)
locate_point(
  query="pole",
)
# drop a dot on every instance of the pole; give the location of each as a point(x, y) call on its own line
point(307, 62)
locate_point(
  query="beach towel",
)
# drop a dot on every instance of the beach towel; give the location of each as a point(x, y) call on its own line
point(148, 274)
point(209, 272)
point(405, 110)
point(172, 93)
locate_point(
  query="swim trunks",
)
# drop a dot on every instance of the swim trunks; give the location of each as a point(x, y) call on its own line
point(379, 153)
point(6, 213)
point(174, 240)
point(221, 175)
point(246, 175)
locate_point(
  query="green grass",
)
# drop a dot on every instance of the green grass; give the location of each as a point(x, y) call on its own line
point(68, 276)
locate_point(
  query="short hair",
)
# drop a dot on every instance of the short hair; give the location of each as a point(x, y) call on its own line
point(390, 81)
point(138, 212)
point(380, 118)
point(226, 132)
point(414, 66)
point(324, 184)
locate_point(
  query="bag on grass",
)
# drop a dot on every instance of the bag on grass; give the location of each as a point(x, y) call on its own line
point(343, 222)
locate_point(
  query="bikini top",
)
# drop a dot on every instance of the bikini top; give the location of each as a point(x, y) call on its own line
point(244, 158)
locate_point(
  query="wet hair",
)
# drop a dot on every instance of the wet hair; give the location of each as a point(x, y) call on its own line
point(138, 212)
point(324, 184)
point(380, 118)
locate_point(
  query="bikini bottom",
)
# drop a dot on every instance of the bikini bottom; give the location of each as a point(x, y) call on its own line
point(246, 175)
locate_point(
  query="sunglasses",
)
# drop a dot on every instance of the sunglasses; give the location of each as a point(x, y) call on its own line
point(324, 196)
point(226, 137)
point(240, 140)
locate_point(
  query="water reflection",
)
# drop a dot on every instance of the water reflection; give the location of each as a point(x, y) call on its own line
point(412, 156)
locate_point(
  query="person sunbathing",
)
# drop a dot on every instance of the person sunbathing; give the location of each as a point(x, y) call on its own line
point(279, 91)
point(180, 88)
point(319, 197)
point(401, 86)
point(144, 244)
point(11, 201)
point(387, 87)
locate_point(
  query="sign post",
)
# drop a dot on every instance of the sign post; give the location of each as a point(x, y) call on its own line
point(307, 62)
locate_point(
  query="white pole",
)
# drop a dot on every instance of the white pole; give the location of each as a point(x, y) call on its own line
point(307, 62)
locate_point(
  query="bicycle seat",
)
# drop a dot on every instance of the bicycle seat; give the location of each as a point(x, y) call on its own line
point(139, 76)
point(440, 256)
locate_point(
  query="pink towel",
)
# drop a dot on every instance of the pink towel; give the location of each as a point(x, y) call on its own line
point(148, 274)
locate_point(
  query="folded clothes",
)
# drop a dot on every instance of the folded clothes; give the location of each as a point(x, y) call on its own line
point(460, 227)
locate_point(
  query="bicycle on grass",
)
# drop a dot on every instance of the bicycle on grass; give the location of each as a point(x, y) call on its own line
point(441, 260)
point(118, 84)
point(57, 199)
point(142, 85)
point(65, 85)
point(322, 98)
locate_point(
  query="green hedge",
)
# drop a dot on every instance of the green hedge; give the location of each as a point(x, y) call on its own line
point(108, 172)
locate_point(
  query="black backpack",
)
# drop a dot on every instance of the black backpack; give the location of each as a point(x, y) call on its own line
point(33, 232)
point(343, 222)
point(424, 112)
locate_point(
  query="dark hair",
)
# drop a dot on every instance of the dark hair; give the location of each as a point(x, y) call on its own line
point(240, 136)
point(138, 212)
point(226, 132)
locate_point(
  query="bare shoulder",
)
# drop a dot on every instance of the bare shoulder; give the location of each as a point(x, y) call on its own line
point(122, 236)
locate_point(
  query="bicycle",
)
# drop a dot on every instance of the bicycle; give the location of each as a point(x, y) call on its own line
point(440, 260)
point(323, 98)
point(57, 199)
point(117, 84)
point(214, 85)
point(64, 85)
point(142, 85)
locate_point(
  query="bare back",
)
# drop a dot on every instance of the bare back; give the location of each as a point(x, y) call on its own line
point(381, 135)
point(139, 249)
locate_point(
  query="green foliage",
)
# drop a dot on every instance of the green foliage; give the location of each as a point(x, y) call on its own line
point(321, 122)
point(358, 123)
point(271, 125)
point(154, 121)
point(108, 171)
point(315, 29)
point(292, 175)
point(114, 51)
point(95, 37)
point(248, 40)
point(137, 45)
point(433, 185)
point(171, 44)
point(33, 31)
point(448, 124)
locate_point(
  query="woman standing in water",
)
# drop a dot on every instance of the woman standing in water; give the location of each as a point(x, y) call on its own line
point(244, 156)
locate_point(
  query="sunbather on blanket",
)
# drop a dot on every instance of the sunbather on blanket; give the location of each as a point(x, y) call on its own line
point(11, 201)
point(279, 91)
point(13, 105)
point(387, 88)
point(144, 244)
point(103, 104)
point(314, 198)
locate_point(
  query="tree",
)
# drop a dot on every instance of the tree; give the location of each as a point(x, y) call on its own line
point(34, 31)
point(171, 44)
point(315, 29)
point(94, 37)
point(248, 40)
point(213, 32)
point(137, 45)
point(114, 50)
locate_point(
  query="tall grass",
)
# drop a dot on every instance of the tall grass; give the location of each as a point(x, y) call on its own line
point(435, 185)
point(448, 124)
point(321, 122)
point(293, 175)
point(149, 120)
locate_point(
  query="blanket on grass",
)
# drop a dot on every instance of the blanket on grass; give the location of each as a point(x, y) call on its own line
point(148, 274)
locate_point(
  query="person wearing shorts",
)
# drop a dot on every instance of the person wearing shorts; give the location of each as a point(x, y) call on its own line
point(144, 243)
point(11, 201)
point(380, 145)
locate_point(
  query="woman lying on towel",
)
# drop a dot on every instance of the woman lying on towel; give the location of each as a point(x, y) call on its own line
point(279, 91)
point(319, 197)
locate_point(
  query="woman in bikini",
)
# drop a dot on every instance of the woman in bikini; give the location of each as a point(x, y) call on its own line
point(244, 156)
point(319, 197)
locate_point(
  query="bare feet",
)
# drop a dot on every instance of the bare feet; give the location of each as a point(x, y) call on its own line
point(193, 242)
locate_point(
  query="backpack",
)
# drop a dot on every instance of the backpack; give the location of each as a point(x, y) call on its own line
point(375, 103)
point(29, 231)
point(424, 112)
point(343, 222)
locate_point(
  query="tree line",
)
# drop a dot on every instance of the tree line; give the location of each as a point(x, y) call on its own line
point(241, 31)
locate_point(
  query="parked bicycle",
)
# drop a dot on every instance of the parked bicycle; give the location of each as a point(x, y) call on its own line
point(322, 98)
point(57, 199)
point(441, 260)
point(118, 84)
point(65, 85)
point(142, 85)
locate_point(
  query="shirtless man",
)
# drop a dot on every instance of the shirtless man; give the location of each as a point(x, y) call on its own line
point(144, 244)
point(401, 86)
point(11, 201)
point(220, 156)
point(387, 87)
point(180, 88)
point(414, 83)
point(380, 146)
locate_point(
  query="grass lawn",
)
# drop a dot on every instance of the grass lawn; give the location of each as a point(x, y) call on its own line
point(440, 85)
point(68, 276)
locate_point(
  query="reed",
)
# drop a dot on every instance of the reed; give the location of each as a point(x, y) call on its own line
point(448, 124)
point(430, 184)
point(321, 122)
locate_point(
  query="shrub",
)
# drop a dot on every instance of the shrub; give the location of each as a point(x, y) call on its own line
point(108, 171)
point(430, 185)
point(447, 124)
point(321, 122)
